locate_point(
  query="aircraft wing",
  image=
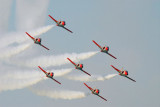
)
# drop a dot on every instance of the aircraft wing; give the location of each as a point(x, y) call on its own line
point(44, 47)
point(102, 98)
point(53, 18)
point(68, 29)
point(88, 86)
point(130, 78)
point(97, 44)
point(56, 81)
point(71, 62)
point(30, 36)
point(116, 69)
point(86, 73)
point(42, 69)
point(112, 56)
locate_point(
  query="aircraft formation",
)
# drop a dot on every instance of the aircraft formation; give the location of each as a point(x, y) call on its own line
point(104, 49)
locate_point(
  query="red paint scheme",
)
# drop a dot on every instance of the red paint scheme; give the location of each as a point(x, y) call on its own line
point(51, 74)
point(104, 49)
point(125, 72)
point(72, 62)
point(107, 48)
point(39, 40)
point(59, 23)
point(81, 65)
point(78, 66)
point(63, 23)
point(97, 91)
point(97, 44)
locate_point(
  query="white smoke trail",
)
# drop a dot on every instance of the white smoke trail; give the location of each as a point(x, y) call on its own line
point(61, 72)
point(41, 30)
point(22, 37)
point(53, 60)
point(10, 51)
point(90, 78)
point(27, 74)
point(18, 82)
point(21, 79)
point(60, 94)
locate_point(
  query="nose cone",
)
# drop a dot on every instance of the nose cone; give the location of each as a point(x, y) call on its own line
point(126, 72)
point(39, 40)
point(81, 65)
point(97, 91)
point(63, 23)
point(107, 48)
point(51, 74)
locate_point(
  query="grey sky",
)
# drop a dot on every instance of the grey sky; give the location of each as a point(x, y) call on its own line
point(131, 28)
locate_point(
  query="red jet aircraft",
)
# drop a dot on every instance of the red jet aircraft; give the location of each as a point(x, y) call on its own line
point(123, 73)
point(60, 23)
point(37, 41)
point(49, 75)
point(79, 66)
point(104, 49)
point(95, 91)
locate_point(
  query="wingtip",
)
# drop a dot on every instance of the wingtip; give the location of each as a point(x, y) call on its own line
point(85, 84)
point(89, 74)
point(39, 67)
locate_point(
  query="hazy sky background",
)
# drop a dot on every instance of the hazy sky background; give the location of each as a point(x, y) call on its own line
point(131, 28)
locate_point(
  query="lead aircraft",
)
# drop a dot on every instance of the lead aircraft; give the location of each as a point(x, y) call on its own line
point(60, 23)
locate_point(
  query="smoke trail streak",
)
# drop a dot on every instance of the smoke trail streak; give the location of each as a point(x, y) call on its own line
point(90, 78)
point(21, 75)
point(12, 84)
point(21, 79)
point(10, 51)
point(60, 94)
point(26, 74)
point(41, 30)
point(53, 60)
point(22, 37)
point(61, 72)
